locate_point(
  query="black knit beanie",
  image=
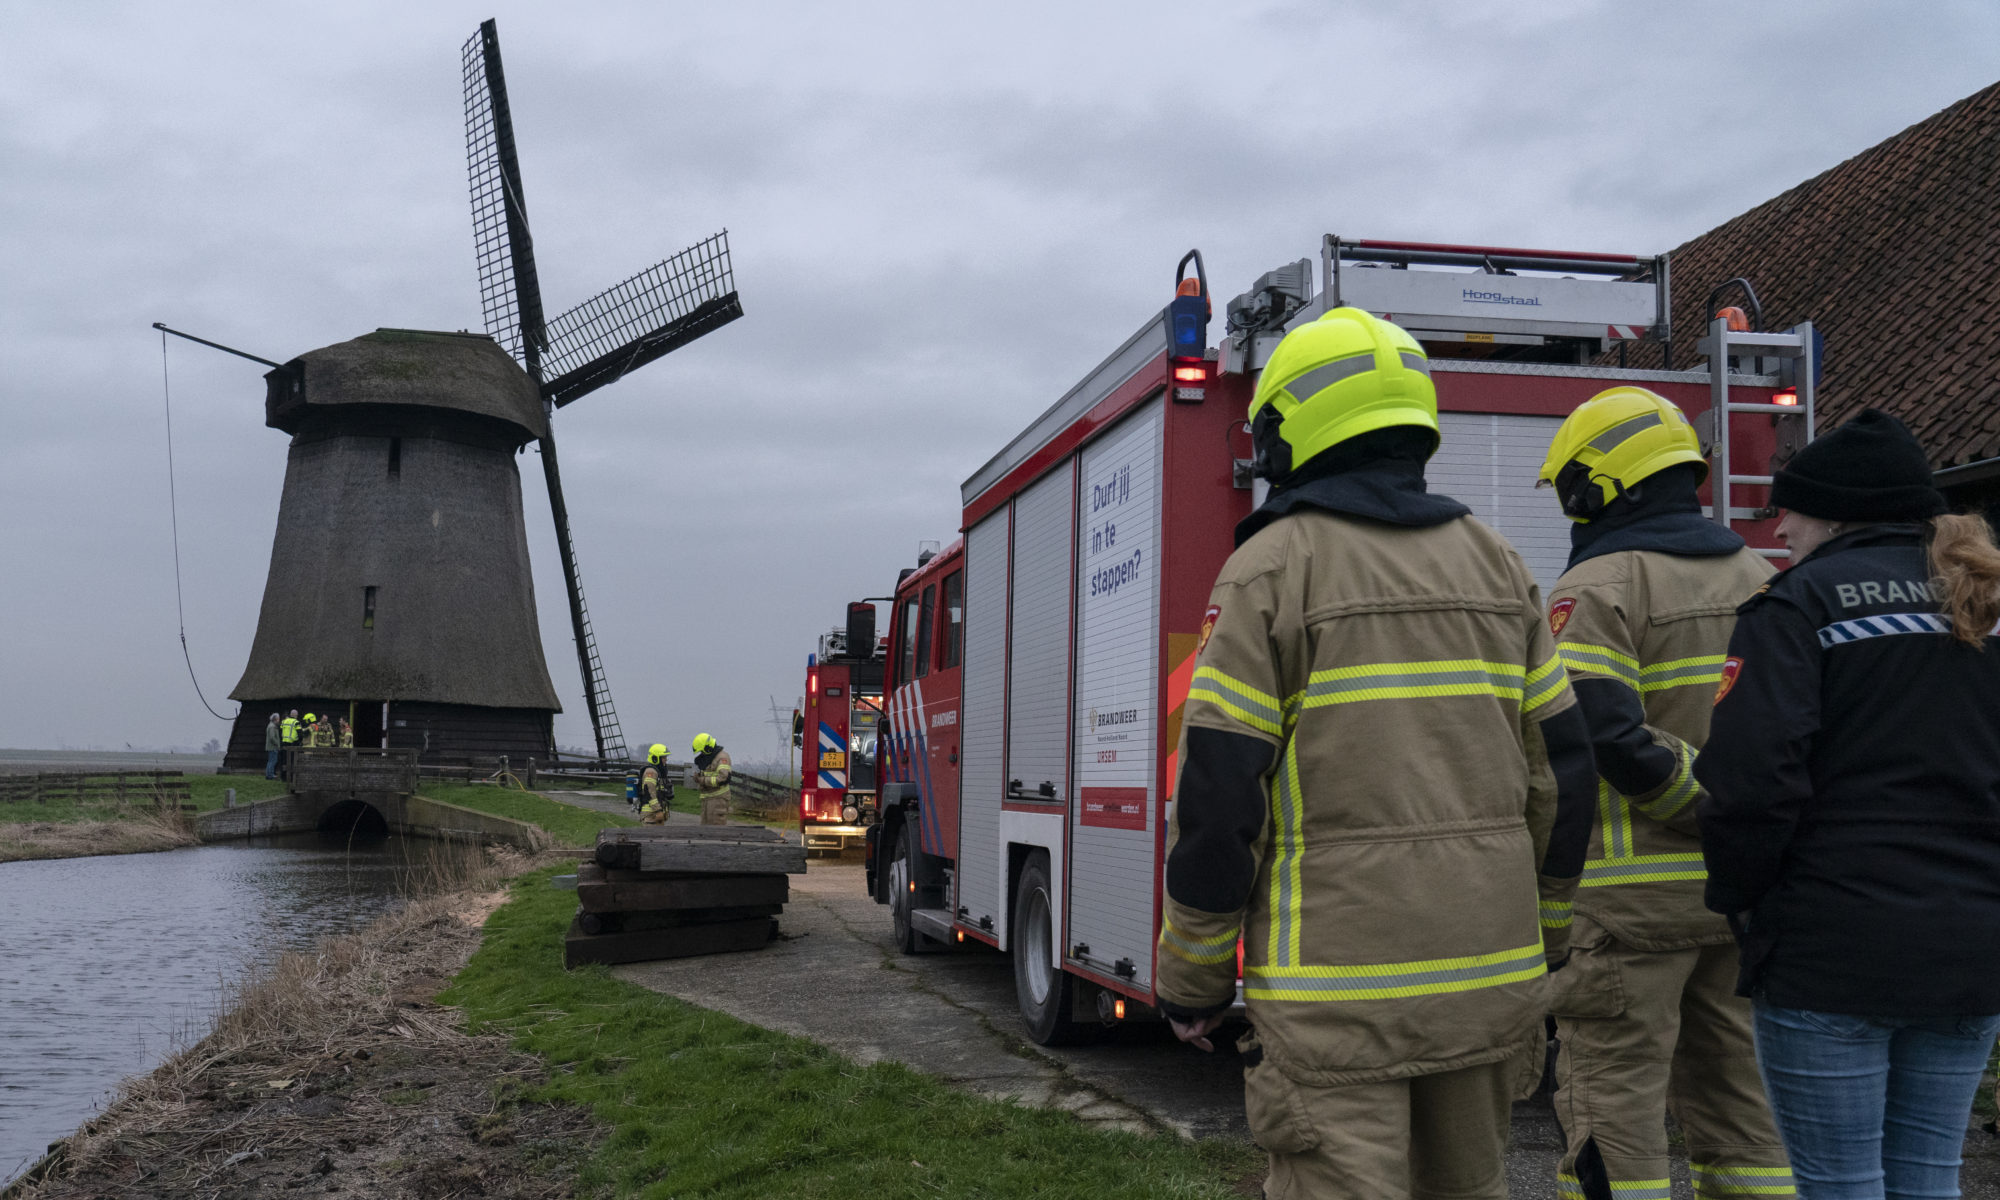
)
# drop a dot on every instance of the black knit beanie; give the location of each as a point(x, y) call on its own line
point(1870, 469)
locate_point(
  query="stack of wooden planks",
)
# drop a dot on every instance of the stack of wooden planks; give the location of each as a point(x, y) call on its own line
point(669, 891)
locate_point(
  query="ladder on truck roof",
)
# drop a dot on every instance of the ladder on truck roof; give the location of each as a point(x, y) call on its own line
point(1793, 351)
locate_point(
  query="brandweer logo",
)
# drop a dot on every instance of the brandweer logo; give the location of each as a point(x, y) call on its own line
point(1474, 296)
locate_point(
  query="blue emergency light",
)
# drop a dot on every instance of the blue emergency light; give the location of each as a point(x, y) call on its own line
point(1188, 313)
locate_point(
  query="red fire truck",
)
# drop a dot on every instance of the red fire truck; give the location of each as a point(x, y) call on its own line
point(838, 734)
point(1038, 667)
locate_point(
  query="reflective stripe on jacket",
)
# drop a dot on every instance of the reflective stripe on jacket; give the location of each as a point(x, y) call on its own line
point(288, 730)
point(1643, 636)
point(714, 779)
point(1390, 682)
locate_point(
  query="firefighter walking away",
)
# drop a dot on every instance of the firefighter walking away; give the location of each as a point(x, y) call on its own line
point(1646, 1010)
point(1377, 707)
point(711, 776)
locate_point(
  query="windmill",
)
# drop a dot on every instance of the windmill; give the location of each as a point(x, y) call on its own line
point(596, 343)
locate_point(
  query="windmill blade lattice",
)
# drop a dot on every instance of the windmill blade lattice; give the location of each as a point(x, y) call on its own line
point(627, 326)
point(510, 294)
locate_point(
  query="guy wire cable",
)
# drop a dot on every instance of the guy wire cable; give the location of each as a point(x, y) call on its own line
point(173, 512)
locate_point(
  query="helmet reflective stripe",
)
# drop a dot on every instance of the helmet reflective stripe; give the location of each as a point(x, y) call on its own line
point(1604, 442)
point(1317, 380)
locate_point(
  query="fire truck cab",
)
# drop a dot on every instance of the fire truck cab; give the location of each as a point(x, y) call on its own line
point(843, 706)
point(1037, 668)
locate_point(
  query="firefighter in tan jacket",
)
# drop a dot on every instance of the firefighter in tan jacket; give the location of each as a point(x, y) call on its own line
point(1646, 1010)
point(1380, 754)
point(712, 769)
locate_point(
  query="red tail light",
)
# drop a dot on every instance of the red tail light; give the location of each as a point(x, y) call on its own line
point(1788, 396)
point(805, 806)
point(1191, 374)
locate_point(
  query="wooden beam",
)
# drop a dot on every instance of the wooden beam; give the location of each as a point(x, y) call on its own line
point(580, 947)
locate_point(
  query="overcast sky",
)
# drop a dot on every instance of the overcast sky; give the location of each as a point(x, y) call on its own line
point(941, 216)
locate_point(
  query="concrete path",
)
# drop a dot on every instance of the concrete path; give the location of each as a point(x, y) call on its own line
point(835, 977)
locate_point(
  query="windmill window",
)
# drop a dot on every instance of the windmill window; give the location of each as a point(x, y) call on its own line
point(395, 461)
point(368, 608)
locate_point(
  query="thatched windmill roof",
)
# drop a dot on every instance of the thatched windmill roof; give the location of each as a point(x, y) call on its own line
point(463, 372)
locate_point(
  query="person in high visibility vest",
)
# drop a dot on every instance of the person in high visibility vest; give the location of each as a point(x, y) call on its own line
point(1646, 1008)
point(712, 770)
point(1380, 754)
point(653, 794)
point(288, 738)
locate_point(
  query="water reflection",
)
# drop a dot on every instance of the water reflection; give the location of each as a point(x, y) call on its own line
point(107, 963)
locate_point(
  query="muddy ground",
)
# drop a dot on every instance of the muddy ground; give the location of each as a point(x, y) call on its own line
point(338, 1075)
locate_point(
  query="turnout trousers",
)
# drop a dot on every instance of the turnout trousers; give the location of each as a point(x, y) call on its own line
point(1648, 1032)
point(715, 807)
point(1430, 1137)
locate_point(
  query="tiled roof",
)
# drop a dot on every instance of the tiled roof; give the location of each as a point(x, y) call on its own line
point(1894, 255)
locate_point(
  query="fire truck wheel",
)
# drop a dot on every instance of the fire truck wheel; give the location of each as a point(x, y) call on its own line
point(1042, 990)
point(903, 897)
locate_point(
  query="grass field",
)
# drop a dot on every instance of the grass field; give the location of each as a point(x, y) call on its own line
point(568, 824)
point(205, 792)
point(701, 1104)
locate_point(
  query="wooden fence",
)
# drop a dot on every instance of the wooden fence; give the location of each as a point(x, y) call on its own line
point(154, 789)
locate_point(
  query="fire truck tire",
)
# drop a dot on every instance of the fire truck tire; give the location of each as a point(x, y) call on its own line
point(903, 897)
point(1043, 991)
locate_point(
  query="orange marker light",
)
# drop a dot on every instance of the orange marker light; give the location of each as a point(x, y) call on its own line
point(1788, 396)
point(1190, 374)
point(1118, 1008)
point(961, 933)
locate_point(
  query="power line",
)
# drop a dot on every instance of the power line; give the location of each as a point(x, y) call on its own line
point(173, 512)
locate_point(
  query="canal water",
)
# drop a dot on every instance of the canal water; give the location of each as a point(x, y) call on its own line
point(109, 964)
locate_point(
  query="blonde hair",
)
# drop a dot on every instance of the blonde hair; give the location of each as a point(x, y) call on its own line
point(1965, 572)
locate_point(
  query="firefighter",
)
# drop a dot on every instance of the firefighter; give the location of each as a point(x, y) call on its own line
point(652, 793)
point(346, 735)
point(323, 733)
point(1377, 707)
point(1646, 1014)
point(656, 759)
point(288, 737)
point(711, 766)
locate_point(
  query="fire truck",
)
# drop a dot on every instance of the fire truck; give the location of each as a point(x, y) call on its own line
point(837, 732)
point(1038, 667)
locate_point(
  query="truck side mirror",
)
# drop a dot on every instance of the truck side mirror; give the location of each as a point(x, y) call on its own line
point(798, 728)
point(860, 627)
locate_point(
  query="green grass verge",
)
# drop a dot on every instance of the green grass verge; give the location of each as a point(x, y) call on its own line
point(701, 1104)
point(205, 792)
point(568, 824)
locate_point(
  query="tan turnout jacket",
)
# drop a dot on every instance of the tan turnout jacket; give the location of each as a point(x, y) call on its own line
point(1658, 624)
point(1399, 675)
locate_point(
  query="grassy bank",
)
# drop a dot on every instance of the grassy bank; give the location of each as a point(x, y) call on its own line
point(700, 1104)
point(566, 823)
point(138, 831)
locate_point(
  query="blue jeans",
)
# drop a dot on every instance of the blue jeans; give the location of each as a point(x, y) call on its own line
point(270, 764)
point(1872, 1108)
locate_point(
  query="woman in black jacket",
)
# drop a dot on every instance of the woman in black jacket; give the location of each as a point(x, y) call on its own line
point(1851, 821)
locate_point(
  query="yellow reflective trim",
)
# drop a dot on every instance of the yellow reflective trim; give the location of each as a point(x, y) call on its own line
point(1544, 683)
point(1556, 914)
point(1643, 868)
point(1238, 699)
point(1206, 952)
point(1683, 790)
point(1582, 658)
point(1287, 902)
point(1387, 981)
point(1614, 820)
point(1433, 664)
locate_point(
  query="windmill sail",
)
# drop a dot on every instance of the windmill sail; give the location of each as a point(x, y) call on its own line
point(511, 295)
point(623, 328)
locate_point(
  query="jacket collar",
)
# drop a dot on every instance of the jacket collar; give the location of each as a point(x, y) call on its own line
point(1390, 490)
point(1888, 533)
point(1666, 518)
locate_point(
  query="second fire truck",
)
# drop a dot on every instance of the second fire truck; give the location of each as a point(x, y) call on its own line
point(837, 734)
point(1036, 670)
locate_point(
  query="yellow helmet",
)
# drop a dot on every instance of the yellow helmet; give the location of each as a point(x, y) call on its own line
point(1611, 442)
point(703, 743)
point(656, 753)
point(1346, 374)
point(310, 717)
